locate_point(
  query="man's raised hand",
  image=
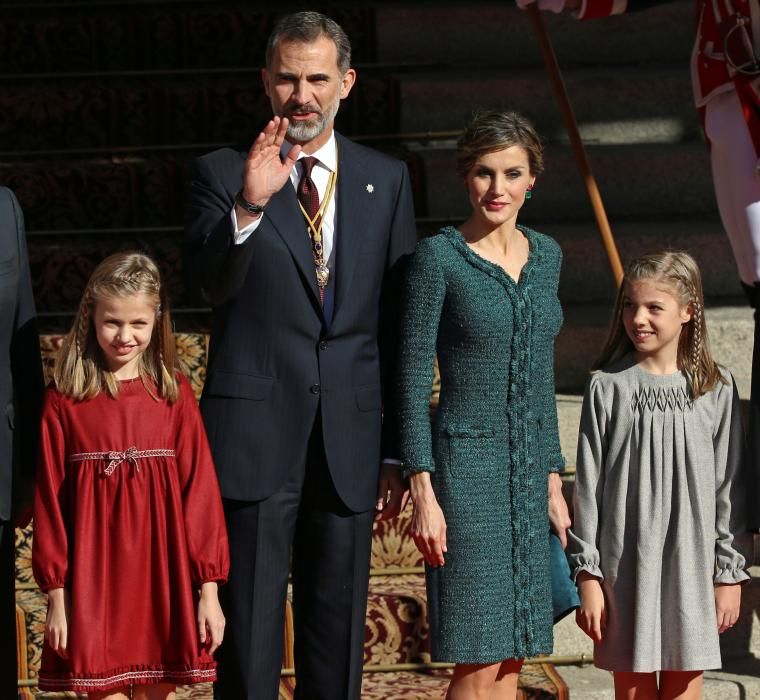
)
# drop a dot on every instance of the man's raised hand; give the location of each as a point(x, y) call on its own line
point(265, 173)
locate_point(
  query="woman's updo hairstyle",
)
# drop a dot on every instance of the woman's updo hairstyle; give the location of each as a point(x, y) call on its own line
point(494, 131)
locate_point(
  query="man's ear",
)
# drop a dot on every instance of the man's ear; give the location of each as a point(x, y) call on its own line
point(346, 83)
point(265, 80)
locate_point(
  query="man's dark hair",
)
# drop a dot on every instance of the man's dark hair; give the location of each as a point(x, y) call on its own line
point(306, 27)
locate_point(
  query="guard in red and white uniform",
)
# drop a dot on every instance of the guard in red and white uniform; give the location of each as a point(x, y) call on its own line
point(726, 82)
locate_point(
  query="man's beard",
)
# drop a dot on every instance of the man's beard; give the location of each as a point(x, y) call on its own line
point(301, 132)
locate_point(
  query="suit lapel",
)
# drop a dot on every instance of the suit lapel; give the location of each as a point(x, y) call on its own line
point(353, 216)
point(285, 216)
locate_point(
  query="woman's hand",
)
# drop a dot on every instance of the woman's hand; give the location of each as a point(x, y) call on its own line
point(728, 598)
point(428, 523)
point(591, 617)
point(559, 516)
point(57, 621)
point(210, 617)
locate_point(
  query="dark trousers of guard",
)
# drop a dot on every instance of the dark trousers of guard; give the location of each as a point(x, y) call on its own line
point(330, 547)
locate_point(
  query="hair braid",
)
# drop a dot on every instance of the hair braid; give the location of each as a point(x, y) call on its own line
point(696, 336)
point(697, 346)
point(85, 316)
point(159, 329)
point(696, 339)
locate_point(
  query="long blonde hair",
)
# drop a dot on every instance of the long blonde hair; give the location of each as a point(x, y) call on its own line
point(80, 371)
point(679, 272)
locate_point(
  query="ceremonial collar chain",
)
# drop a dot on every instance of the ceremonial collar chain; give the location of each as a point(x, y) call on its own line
point(314, 227)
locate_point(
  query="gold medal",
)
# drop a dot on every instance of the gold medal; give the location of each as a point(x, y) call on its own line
point(323, 275)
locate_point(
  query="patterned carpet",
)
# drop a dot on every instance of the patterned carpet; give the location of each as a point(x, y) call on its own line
point(396, 631)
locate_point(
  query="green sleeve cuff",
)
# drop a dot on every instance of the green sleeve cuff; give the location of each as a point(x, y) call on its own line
point(408, 469)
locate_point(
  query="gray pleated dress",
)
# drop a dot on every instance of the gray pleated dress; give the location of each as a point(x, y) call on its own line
point(660, 510)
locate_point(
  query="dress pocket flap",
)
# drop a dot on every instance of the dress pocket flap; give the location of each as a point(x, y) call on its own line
point(239, 386)
point(469, 432)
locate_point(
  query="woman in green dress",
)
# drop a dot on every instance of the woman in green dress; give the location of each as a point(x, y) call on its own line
point(483, 297)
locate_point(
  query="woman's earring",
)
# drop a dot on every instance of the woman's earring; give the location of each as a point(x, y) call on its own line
point(529, 192)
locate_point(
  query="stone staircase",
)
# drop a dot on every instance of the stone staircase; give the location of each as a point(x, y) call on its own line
point(103, 102)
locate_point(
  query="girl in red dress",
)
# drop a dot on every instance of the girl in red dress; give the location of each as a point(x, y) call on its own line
point(129, 535)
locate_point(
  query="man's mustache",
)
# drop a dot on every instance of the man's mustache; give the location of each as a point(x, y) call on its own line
point(303, 109)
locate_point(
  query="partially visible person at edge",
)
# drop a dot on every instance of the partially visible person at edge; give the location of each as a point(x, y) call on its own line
point(725, 75)
point(483, 481)
point(659, 545)
point(129, 537)
point(295, 243)
point(21, 398)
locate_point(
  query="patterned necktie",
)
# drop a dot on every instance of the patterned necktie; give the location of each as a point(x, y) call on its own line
point(309, 198)
point(307, 190)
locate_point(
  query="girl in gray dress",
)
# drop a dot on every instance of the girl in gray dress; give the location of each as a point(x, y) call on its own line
point(658, 544)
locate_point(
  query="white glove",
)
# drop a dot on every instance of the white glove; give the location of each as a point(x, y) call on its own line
point(546, 5)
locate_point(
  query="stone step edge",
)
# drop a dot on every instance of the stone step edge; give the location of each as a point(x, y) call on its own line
point(417, 69)
point(416, 142)
point(380, 66)
point(569, 228)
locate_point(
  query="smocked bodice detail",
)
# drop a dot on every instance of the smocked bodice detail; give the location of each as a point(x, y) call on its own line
point(664, 398)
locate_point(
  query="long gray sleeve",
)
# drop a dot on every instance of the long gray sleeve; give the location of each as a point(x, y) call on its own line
point(583, 537)
point(733, 544)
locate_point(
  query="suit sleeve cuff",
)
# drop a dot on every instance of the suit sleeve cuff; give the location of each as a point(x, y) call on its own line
point(241, 236)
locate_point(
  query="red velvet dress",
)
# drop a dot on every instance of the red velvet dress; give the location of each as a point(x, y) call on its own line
point(128, 518)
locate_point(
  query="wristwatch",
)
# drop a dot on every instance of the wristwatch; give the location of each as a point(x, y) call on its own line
point(250, 207)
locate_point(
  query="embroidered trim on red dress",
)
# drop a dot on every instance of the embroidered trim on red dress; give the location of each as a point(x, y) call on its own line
point(131, 454)
point(195, 675)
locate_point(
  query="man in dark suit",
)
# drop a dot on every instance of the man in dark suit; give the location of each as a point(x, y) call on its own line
point(296, 245)
point(20, 400)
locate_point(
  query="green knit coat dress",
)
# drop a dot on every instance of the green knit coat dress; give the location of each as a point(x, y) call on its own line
point(493, 441)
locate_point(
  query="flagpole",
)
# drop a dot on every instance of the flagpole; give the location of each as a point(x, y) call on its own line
point(571, 127)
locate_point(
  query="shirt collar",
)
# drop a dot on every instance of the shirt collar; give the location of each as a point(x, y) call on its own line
point(326, 155)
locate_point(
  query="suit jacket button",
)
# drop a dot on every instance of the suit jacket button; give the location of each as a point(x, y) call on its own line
point(323, 345)
point(315, 389)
